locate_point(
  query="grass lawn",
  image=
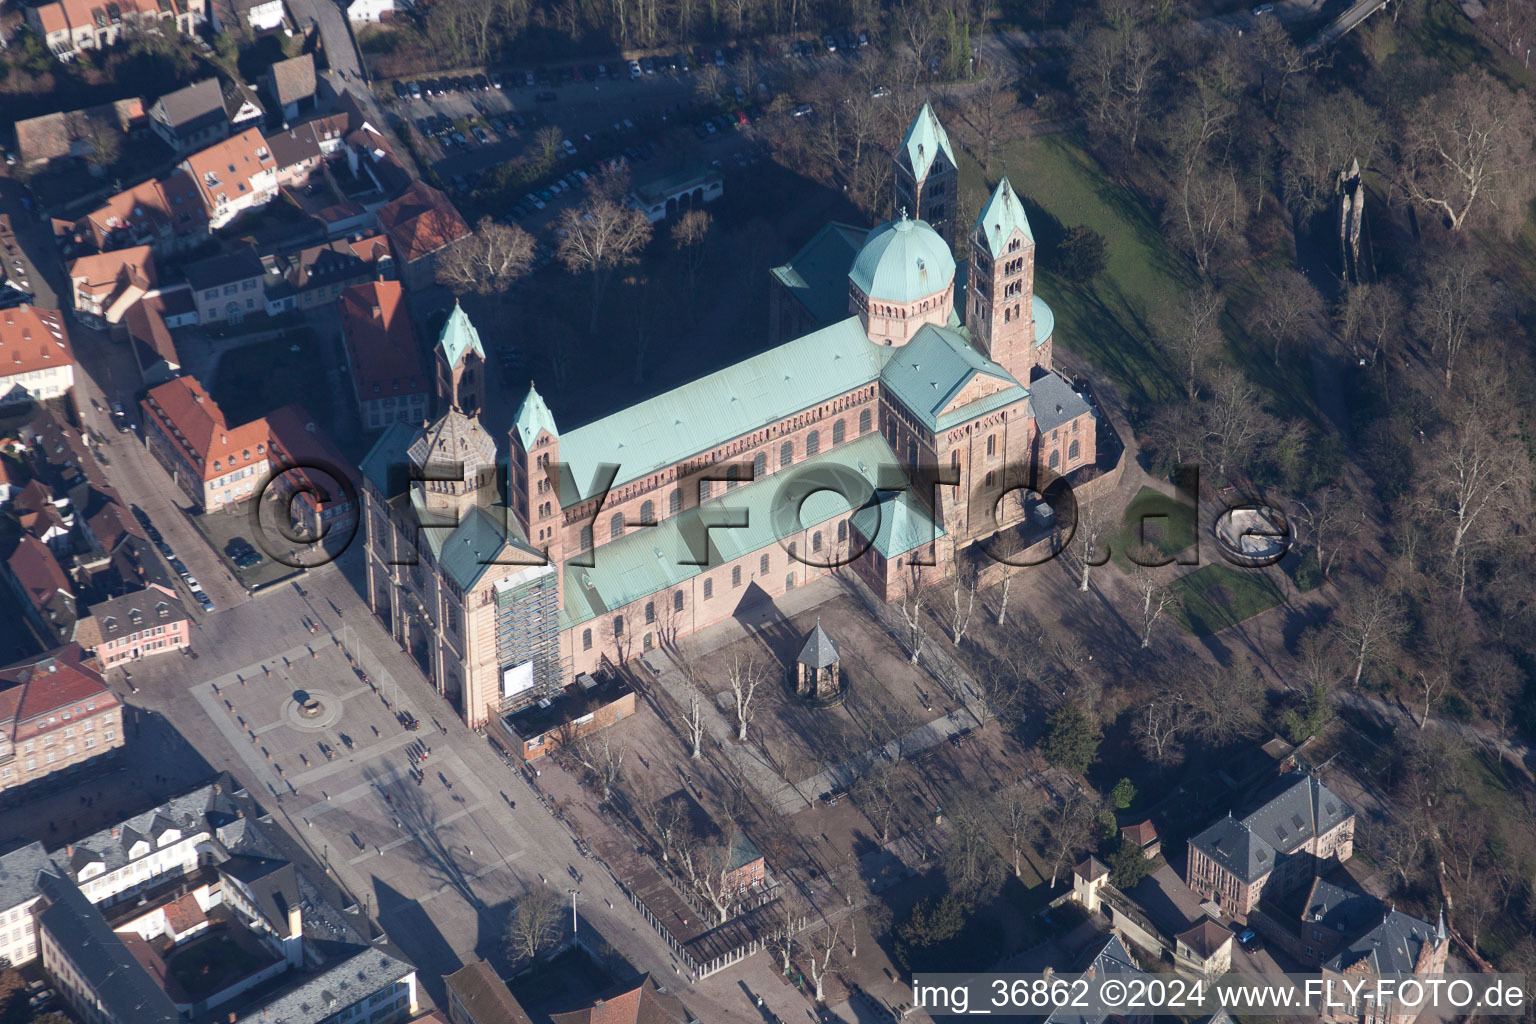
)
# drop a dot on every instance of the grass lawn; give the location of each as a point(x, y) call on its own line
point(1217, 596)
point(1170, 526)
point(265, 375)
point(1108, 321)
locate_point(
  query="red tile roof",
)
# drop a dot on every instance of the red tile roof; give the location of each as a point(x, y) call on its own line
point(37, 570)
point(420, 222)
point(381, 343)
point(188, 416)
point(45, 685)
point(32, 339)
point(226, 169)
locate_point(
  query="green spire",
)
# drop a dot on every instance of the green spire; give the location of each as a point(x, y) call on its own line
point(533, 416)
point(925, 140)
point(999, 217)
point(459, 336)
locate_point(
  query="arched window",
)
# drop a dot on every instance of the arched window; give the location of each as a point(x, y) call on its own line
point(842, 530)
point(618, 625)
point(735, 575)
point(732, 474)
point(647, 512)
point(703, 491)
point(991, 477)
point(586, 639)
point(650, 612)
point(1007, 316)
point(1072, 452)
point(677, 600)
point(675, 501)
point(991, 444)
point(812, 443)
point(838, 432)
point(709, 589)
point(816, 541)
point(786, 453)
point(1055, 459)
point(789, 581)
point(586, 538)
point(791, 551)
point(647, 642)
point(762, 565)
point(616, 526)
point(865, 421)
point(759, 465)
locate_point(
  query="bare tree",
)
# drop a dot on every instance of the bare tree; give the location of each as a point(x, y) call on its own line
point(963, 587)
point(689, 237)
point(533, 923)
point(1233, 419)
point(1453, 305)
point(878, 796)
point(1020, 816)
point(1159, 724)
point(1192, 335)
point(599, 237)
point(707, 875)
point(823, 945)
point(1369, 625)
point(1288, 309)
point(744, 676)
point(1206, 214)
point(992, 102)
point(1153, 595)
point(782, 938)
point(1330, 518)
point(603, 760)
point(1005, 545)
point(546, 142)
point(695, 728)
point(1070, 827)
point(487, 261)
point(1222, 704)
point(910, 606)
point(1117, 69)
point(1095, 519)
point(1466, 151)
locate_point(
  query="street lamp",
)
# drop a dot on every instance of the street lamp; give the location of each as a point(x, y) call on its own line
point(574, 893)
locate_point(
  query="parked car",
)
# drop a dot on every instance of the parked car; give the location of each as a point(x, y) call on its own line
point(635, 71)
point(496, 80)
point(569, 147)
point(879, 92)
point(682, 63)
point(741, 118)
point(802, 110)
point(400, 91)
point(202, 600)
point(830, 42)
point(719, 58)
point(415, 89)
point(1263, 9)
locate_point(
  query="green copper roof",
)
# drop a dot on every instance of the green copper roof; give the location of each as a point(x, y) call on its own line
point(928, 372)
point(533, 416)
point(1002, 214)
point(650, 560)
point(1045, 320)
point(486, 540)
point(902, 261)
point(896, 524)
point(817, 275)
point(925, 140)
point(702, 414)
point(459, 336)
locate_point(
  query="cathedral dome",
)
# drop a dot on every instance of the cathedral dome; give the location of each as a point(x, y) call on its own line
point(902, 261)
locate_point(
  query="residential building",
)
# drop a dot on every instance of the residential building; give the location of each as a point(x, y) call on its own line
point(1109, 959)
point(149, 323)
point(133, 626)
point(43, 590)
point(213, 463)
point(388, 379)
point(1297, 833)
point(165, 214)
point(901, 382)
point(233, 176)
point(476, 995)
point(642, 1002)
point(36, 360)
point(1398, 945)
point(238, 16)
point(40, 141)
point(242, 106)
point(318, 485)
point(371, 12)
point(1205, 949)
point(107, 285)
point(191, 118)
point(58, 718)
point(420, 223)
point(228, 287)
point(291, 85)
point(298, 153)
point(70, 26)
point(317, 276)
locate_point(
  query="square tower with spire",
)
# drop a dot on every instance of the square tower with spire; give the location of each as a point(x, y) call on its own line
point(927, 180)
point(1000, 303)
point(459, 363)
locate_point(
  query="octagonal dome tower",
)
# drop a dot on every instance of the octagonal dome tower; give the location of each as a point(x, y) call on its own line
point(903, 278)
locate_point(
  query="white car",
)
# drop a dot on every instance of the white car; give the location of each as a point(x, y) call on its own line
point(634, 69)
point(569, 147)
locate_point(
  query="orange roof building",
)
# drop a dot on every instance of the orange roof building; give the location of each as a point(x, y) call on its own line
point(108, 284)
point(420, 224)
point(166, 215)
point(384, 355)
point(36, 361)
point(233, 176)
point(56, 712)
point(214, 463)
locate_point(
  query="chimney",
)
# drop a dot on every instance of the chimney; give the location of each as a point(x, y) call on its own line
point(198, 399)
point(69, 849)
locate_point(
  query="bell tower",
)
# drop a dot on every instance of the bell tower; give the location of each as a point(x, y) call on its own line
point(459, 362)
point(926, 175)
point(1001, 288)
point(534, 491)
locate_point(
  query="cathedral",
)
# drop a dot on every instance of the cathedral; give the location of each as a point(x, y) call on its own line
point(911, 406)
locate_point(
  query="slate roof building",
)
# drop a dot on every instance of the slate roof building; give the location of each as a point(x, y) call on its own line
point(898, 382)
point(1399, 944)
point(1296, 834)
point(1110, 960)
point(476, 995)
point(291, 84)
point(191, 117)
